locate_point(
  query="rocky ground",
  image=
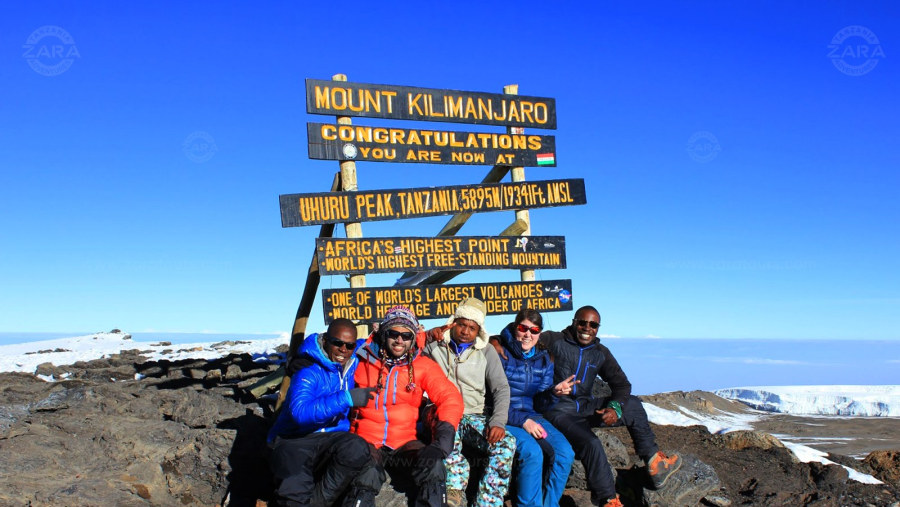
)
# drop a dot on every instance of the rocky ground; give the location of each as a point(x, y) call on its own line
point(187, 433)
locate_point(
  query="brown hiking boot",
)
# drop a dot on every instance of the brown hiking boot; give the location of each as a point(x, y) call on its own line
point(614, 502)
point(456, 498)
point(661, 467)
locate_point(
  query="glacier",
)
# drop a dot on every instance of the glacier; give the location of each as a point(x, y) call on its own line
point(840, 400)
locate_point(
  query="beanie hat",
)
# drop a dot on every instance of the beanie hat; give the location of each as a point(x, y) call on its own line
point(397, 316)
point(471, 309)
point(400, 316)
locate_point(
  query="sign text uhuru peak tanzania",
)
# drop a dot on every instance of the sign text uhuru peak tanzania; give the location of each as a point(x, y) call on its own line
point(364, 206)
point(427, 104)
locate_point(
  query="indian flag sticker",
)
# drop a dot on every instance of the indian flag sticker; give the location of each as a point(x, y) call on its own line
point(545, 159)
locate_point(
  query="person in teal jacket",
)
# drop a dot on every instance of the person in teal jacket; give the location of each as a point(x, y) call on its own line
point(314, 458)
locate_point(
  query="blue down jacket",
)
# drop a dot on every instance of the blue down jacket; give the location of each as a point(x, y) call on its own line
point(318, 398)
point(530, 380)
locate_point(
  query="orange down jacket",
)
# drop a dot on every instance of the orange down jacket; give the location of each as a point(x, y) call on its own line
point(390, 419)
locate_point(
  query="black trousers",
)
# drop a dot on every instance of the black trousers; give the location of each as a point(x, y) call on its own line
point(589, 450)
point(317, 469)
point(428, 482)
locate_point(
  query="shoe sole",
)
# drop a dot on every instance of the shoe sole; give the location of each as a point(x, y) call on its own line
point(671, 473)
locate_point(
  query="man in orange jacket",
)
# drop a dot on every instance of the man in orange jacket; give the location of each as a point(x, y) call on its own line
point(391, 362)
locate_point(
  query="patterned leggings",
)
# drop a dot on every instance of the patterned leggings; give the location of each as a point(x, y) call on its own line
point(495, 483)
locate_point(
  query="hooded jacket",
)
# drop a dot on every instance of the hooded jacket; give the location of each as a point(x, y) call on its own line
point(474, 372)
point(529, 378)
point(390, 419)
point(318, 398)
point(586, 363)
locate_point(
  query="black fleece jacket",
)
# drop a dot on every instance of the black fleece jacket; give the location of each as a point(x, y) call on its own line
point(586, 363)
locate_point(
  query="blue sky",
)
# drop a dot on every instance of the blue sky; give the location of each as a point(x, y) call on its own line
point(740, 182)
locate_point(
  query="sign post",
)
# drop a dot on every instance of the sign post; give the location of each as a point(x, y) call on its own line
point(348, 183)
point(518, 175)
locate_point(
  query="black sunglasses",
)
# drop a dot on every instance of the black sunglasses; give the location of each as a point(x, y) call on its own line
point(403, 335)
point(580, 322)
point(334, 342)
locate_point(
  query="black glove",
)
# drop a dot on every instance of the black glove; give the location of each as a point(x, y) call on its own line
point(442, 436)
point(428, 456)
point(362, 395)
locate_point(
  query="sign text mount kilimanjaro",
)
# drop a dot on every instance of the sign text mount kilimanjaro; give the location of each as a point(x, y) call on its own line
point(428, 104)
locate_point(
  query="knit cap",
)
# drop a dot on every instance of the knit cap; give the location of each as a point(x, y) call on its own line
point(400, 316)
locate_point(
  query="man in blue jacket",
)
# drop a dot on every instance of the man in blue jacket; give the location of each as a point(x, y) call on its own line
point(314, 458)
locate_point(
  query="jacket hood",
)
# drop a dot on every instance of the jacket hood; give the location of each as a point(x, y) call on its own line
point(314, 348)
point(481, 340)
point(508, 340)
point(514, 347)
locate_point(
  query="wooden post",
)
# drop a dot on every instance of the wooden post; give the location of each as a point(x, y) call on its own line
point(518, 174)
point(348, 184)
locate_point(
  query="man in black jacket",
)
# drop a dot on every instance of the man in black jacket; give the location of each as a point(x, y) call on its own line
point(578, 359)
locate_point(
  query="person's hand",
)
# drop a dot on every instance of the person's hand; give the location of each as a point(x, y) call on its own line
point(425, 460)
point(608, 415)
point(435, 334)
point(494, 434)
point(534, 429)
point(498, 347)
point(564, 388)
point(362, 395)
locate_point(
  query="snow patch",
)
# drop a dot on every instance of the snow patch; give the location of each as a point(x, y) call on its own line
point(723, 422)
point(25, 357)
point(807, 454)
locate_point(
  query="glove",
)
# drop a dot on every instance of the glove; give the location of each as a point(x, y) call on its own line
point(442, 436)
point(360, 396)
point(428, 456)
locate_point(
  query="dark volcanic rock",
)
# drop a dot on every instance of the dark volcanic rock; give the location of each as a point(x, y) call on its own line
point(885, 465)
point(185, 434)
point(688, 486)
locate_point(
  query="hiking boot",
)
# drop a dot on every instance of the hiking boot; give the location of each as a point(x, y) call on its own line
point(599, 502)
point(614, 502)
point(661, 467)
point(456, 498)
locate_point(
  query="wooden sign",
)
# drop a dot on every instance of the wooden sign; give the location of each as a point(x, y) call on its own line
point(369, 206)
point(369, 304)
point(451, 253)
point(339, 98)
point(381, 144)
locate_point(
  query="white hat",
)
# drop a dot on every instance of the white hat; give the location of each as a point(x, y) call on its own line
point(471, 309)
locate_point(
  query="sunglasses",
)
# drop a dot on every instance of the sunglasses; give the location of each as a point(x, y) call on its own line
point(403, 335)
point(334, 342)
point(524, 329)
point(583, 323)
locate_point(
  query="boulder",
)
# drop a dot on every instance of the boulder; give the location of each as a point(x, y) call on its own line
point(616, 454)
point(885, 465)
point(746, 439)
point(694, 481)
